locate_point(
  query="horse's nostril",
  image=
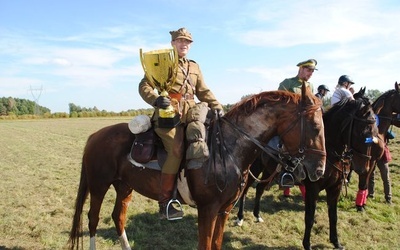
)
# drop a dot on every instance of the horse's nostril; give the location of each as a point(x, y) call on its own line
point(320, 173)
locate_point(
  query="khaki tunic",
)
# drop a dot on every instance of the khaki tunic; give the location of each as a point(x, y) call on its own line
point(195, 86)
point(173, 138)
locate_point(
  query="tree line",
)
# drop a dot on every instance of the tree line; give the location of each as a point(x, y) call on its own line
point(16, 108)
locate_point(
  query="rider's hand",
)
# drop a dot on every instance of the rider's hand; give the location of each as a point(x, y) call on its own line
point(163, 102)
point(220, 112)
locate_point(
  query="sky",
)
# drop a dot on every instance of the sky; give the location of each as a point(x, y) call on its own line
point(87, 52)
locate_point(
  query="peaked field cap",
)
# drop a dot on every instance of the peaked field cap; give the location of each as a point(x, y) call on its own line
point(181, 33)
point(310, 63)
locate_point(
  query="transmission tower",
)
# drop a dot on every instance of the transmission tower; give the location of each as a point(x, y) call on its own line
point(36, 93)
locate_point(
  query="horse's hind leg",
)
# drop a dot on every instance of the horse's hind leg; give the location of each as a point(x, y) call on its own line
point(96, 199)
point(124, 196)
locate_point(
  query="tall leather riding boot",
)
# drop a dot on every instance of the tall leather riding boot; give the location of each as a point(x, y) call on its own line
point(167, 187)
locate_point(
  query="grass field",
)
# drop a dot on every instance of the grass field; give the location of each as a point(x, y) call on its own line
point(40, 163)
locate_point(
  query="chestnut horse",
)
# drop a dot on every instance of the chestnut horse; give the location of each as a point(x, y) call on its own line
point(384, 106)
point(347, 126)
point(218, 183)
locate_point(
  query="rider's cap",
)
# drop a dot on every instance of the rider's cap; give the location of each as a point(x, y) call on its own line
point(310, 63)
point(181, 33)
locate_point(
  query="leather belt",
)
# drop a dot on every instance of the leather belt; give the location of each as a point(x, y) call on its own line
point(179, 96)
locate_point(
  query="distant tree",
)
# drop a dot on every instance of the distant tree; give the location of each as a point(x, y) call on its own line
point(373, 94)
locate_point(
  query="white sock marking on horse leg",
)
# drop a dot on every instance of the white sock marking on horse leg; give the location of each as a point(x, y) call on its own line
point(124, 241)
point(93, 243)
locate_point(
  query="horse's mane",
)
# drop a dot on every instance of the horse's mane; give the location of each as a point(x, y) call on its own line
point(383, 96)
point(251, 103)
point(342, 110)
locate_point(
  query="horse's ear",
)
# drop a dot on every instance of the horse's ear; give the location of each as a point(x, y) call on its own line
point(396, 86)
point(363, 90)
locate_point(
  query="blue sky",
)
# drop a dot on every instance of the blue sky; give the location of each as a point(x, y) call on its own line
point(87, 52)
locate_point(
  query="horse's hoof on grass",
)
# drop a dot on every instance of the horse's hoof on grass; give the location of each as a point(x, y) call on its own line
point(260, 220)
point(239, 222)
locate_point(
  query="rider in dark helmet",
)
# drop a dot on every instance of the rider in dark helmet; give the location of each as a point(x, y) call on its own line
point(322, 90)
point(342, 89)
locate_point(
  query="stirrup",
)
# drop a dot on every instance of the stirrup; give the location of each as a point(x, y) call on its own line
point(287, 180)
point(173, 201)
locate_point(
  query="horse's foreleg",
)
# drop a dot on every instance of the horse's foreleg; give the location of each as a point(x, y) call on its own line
point(206, 220)
point(332, 197)
point(124, 196)
point(310, 206)
point(242, 199)
point(259, 192)
point(219, 229)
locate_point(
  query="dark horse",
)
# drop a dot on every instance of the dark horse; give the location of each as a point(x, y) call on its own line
point(348, 125)
point(384, 106)
point(218, 183)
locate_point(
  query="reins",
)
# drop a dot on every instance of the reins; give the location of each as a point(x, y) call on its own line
point(282, 159)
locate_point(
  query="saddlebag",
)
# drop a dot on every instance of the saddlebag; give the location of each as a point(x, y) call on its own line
point(143, 147)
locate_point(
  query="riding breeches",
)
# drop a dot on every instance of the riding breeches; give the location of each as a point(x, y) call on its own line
point(172, 139)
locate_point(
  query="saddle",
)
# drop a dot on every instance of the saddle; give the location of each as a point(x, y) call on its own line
point(148, 149)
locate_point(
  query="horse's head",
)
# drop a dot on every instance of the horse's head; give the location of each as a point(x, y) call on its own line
point(296, 118)
point(388, 103)
point(302, 133)
point(351, 130)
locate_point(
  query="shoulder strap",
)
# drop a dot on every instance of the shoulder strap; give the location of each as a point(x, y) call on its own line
point(187, 78)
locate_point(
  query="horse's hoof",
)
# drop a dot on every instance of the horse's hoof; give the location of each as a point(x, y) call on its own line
point(338, 246)
point(239, 222)
point(259, 219)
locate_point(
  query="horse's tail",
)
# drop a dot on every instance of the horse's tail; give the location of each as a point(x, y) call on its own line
point(76, 230)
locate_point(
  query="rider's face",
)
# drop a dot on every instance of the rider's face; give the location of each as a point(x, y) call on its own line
point(182, 46)
point(305, 73)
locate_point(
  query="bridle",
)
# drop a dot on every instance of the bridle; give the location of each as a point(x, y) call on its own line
point(288, 162)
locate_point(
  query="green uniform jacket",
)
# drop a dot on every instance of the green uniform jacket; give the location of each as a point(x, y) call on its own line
point(195, 86)
point(294, 85)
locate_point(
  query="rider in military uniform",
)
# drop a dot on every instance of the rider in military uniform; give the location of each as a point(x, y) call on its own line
point(189, 83)
point(294, 84)
point(306, 70)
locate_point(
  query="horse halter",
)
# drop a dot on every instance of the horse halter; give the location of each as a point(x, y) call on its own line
point(349, 151)
point(284, 158)
point(297, 161)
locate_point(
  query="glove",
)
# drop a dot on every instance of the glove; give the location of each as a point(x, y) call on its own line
point(220, 112)
point(163, 102)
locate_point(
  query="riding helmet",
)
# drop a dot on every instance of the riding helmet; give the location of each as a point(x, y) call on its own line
point(345, 78)
point(323, 87)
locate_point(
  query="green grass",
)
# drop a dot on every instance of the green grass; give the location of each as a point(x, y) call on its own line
point(40, 168)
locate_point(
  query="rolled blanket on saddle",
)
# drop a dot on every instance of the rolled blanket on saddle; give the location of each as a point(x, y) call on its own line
point(196, 132)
